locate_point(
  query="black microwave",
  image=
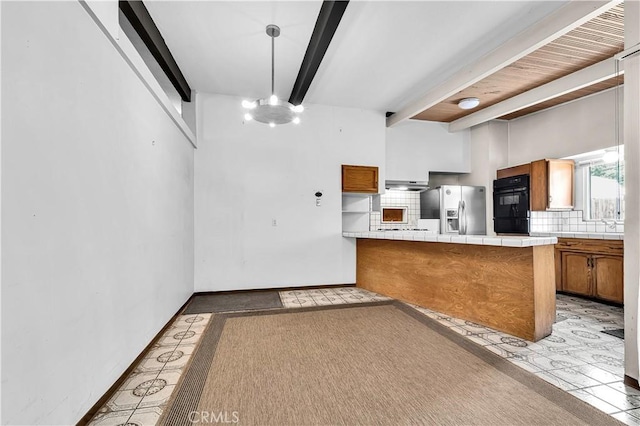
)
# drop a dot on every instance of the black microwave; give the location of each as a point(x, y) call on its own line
point(511, 205)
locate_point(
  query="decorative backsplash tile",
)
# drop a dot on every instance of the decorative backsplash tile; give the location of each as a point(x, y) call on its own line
point(393, 198)
point(570, 221)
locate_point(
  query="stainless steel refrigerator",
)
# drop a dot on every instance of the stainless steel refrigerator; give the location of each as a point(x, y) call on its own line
point(461, 209)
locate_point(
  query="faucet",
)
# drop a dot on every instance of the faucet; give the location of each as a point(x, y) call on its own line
point(610, 224)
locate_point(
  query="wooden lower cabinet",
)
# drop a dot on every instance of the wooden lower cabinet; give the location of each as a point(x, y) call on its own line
point(608, 278)
point(510, 289)
point(576, 273)
point(590, 268)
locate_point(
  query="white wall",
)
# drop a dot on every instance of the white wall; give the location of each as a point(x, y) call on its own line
point(248, 174)
point(573, 128)
point(489, 148)
point(414, 148)
point(632, 189)
point(97, 210)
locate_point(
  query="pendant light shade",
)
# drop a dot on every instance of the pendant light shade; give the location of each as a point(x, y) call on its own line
point(272, 110)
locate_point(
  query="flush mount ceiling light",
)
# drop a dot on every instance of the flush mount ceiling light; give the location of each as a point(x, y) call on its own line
point(469, 103)
point(271, 110)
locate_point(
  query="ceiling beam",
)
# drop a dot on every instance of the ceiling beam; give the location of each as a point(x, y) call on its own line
point(563, 85)
point(326, 25)
point(141, 21)
point(568, 17)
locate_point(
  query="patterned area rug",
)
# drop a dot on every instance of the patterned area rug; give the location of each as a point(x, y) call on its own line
point(372, 363)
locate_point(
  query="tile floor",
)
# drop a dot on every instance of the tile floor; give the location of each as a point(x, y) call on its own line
point(328, 296)
point(142, 397)
point(577, 357)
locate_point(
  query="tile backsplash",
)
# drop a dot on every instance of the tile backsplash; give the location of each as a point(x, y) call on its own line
point(393, 198)
point(569, 221)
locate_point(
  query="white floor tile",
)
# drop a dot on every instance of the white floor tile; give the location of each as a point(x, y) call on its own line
point(594, 401)
point(146, 416)
point(157, 396)
point(598, 374)
point(111, 418)
point(621, 387)
point(556, 381)
point(613, 397)
point(627, 419)
point(575, 377)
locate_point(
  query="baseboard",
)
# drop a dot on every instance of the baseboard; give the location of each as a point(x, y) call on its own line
point(309, 287)
point(631, 382)
point(103, 400)
point(595, 299)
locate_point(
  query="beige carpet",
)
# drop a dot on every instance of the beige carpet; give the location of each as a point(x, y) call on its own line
point(381, 363)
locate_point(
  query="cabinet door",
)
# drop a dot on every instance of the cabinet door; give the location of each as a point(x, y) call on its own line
point(576, 273)
point(608, 278)
point(538, 185)
point(359, 179)
point(560, 183)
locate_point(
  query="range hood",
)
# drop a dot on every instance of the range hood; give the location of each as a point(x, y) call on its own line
point(406, 185)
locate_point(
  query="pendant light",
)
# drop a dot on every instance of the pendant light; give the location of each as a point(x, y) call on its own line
point(271, 110)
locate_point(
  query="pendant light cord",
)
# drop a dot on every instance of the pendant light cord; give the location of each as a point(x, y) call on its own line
point(273, 92)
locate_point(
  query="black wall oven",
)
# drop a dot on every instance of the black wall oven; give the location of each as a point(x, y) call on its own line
point(511, 205)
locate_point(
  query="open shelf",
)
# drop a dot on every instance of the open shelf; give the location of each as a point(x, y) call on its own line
point(356, 208)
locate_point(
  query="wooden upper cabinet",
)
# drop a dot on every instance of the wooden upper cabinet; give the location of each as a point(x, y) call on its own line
point(551, 184)
point(360, 179)
point(560, 183)
point(538, 185)
point(523, 169)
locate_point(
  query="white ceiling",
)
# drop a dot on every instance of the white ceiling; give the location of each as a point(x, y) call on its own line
point(383, 55)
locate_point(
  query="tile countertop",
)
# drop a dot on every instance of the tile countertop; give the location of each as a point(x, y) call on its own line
point(482, 240)
point(585, 235)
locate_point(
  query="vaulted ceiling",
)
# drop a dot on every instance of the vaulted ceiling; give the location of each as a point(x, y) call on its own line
point(384, 54)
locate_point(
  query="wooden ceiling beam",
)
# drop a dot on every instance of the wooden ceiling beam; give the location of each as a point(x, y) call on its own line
point(140, 19)
point(572, 82)
point(562, 21)
point(326, 25)
point(589, 90)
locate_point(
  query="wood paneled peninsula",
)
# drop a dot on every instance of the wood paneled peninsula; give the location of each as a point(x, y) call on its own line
point(506, 283)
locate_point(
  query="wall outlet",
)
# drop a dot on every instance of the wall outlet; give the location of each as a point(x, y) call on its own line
point(274, 222)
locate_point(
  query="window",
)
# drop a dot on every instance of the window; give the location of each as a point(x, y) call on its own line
point(600, 183)
point(606, 195)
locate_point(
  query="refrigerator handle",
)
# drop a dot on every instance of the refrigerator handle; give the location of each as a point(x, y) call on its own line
point(460, 217)
point(463, 223)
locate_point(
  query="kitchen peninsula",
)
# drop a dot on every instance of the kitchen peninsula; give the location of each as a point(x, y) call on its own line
point(506, 283)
